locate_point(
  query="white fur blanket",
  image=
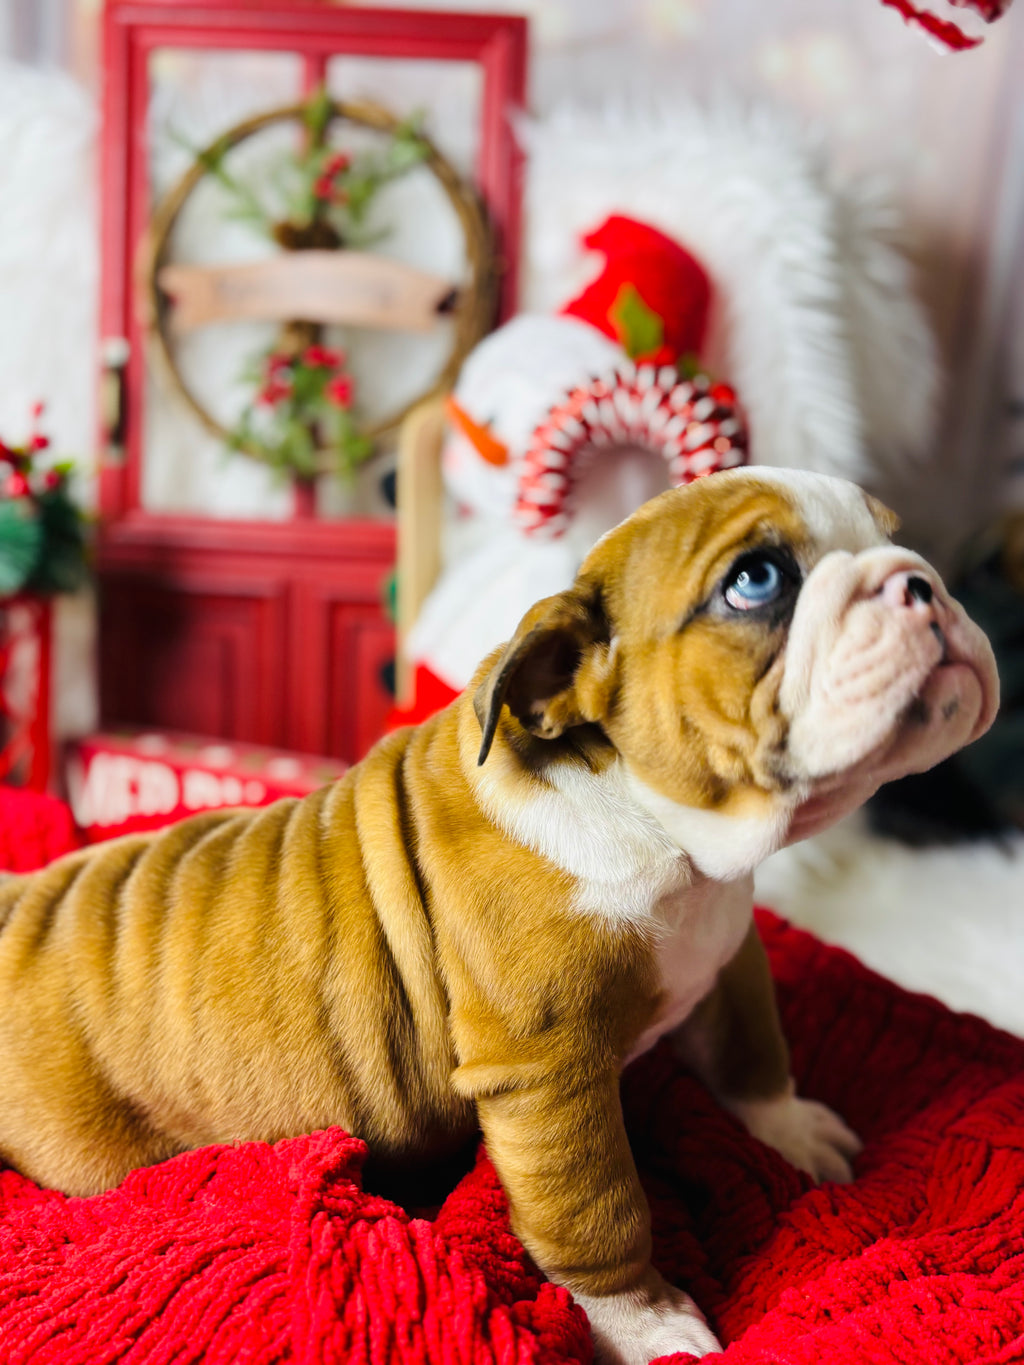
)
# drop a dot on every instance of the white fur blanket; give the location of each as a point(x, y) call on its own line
point(946, 921)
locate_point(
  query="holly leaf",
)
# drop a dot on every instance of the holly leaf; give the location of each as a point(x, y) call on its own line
point(390, 595)
point(640, 329)
point(21, 542)
point(298, 448)
point(689, 366)
point(318, 113)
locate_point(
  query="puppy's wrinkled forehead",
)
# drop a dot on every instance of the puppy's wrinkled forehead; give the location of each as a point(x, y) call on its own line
point(670, 555)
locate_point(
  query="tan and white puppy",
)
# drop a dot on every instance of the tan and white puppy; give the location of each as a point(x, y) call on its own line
point(484, 920)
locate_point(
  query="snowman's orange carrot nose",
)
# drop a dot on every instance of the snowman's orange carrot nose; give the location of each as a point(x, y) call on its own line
point(486, 445)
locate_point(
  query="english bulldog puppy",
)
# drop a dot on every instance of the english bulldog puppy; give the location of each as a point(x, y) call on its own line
point(488, 917)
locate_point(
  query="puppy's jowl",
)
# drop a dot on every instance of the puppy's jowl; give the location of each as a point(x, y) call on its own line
point(484, 920)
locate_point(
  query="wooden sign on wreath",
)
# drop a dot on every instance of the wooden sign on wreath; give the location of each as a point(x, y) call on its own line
point(319, 279)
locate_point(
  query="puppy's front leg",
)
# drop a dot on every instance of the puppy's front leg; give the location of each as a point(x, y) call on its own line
point(734, 1043)
point(560, 1148)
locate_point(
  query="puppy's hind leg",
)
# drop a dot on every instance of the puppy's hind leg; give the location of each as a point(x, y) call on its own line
point(84, 1146)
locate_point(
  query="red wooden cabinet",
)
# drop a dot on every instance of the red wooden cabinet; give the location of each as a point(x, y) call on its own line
point(268, 632)
point(267, 645)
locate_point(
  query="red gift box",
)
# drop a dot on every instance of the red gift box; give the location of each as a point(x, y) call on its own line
point(130, 780)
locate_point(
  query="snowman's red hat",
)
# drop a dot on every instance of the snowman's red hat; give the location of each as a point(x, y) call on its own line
point(651, 297)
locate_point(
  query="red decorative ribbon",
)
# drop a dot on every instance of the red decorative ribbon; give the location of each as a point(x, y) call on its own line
point(944, 29)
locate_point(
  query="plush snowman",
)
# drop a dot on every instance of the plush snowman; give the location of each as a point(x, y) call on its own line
point(560, 426)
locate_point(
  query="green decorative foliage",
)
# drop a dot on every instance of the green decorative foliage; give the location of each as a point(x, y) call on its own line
point(42, 536)
point(316, 198)
point(303, 406)
point(640, 330)
point(317, 115)
point(62, 565)
point(21, 542)
point(390, 595)
point(320, 195)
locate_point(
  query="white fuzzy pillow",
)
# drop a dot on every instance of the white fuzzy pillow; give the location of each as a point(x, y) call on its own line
point(49, 250)
point(48, 257)
point(817, 323)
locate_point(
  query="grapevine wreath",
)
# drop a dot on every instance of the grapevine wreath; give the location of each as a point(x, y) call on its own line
point(302, 418)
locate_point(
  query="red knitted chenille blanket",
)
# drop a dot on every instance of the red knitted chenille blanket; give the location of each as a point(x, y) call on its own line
point(259, 1254)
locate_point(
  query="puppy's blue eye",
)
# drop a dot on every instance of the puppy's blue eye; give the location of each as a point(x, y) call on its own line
point(754, 582)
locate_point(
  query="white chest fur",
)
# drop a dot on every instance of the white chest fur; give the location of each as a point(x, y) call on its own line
point(628, 869)
point(700, 928)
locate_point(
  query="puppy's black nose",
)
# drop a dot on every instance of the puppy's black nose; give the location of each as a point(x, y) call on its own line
point(907, 590)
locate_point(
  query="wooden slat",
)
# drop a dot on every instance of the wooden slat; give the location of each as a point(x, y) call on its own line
point(420, 507)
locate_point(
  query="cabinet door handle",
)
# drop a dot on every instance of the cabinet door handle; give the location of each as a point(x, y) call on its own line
point(114, 353)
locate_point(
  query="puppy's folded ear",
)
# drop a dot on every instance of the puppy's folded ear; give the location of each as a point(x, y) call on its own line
point(548, 671)
point(885, 518)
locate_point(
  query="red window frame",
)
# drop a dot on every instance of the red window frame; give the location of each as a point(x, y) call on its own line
point(133, 29)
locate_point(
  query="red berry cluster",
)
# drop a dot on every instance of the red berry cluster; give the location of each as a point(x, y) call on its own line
point(281, 370)
point(329, 185)
point(277, 380)
point(21, 480)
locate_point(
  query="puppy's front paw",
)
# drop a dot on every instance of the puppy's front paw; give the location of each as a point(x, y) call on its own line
point(638, 1325)
point(808, 1134)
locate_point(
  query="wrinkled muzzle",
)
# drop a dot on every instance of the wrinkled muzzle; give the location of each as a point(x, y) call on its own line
point(882, 665)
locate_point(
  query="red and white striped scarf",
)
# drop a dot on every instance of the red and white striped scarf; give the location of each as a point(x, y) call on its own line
point(944, 19)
